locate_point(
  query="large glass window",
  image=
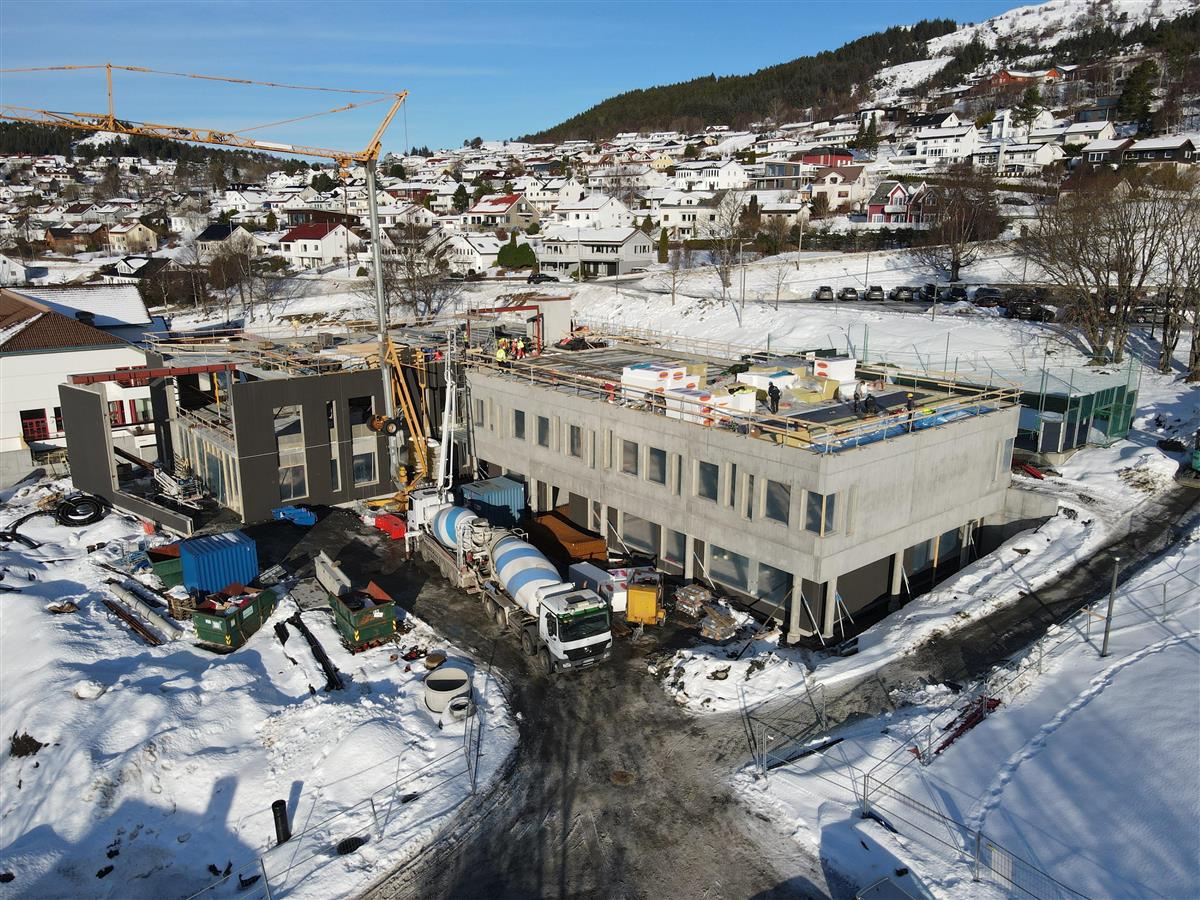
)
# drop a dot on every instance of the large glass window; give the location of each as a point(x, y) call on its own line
point(729, 568)
point(575, 441)
point(543, 431)
point(778, 503)
point(289, 445)
point(707, 479)
point(640, 534)
point(733, 485)
point(656, 465)
point(364, 469)
point(750, 498)
point(774, 585)
point(819, 512)
point(364, 441)
point(675, 548)
point(629, 457)
point(918, 557)
point(1006, 455)
point(331, 424)
point(34, 426)
point(519, 424)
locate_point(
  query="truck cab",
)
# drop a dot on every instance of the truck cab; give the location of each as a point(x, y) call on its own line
point(574, 626)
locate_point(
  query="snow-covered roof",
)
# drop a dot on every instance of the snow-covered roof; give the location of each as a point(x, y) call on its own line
point(110, 304)
point(592, 235)
point(1171, 142)
point(1105, 146)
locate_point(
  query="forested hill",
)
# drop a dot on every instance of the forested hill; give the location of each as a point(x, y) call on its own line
point(824, 81)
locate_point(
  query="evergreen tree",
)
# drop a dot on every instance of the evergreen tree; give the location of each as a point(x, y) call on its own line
point(479, 192)
point(1029, 107)
point(1134, 104)
point(647, 226)
point(663, 248)
point(870, 139)
point(272, 221)
point(323, 183)
point(461, 199)
point(859, 136)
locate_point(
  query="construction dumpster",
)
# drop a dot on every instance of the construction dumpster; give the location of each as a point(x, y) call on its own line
point(230, 621)
point(216, 561)
point(168, 567)
point(364, 618)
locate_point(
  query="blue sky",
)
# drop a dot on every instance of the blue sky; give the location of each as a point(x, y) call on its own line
point(492, 69)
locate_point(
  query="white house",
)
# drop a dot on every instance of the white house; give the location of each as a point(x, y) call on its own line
point(500, 211)
point(406, 214)
point(1086, 132)
point(470, 253)
point(685, 215)
point(711, 175)
point(317, 244)
point(12, 271)
point(1004, 127)
point(545, 195)
point(947, 145)
point(132, 237)
point(595, 251)
point(39, 350)
point(594, 211)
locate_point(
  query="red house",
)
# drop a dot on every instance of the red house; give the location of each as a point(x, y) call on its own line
point(828, 156)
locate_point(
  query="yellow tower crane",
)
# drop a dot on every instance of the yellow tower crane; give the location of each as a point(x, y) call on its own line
point(110, 122)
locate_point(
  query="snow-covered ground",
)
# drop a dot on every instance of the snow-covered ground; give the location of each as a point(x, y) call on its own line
point(160, 762)
point(1087, 771)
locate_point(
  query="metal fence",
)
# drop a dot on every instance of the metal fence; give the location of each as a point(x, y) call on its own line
point(799, 730)
point(328, 834)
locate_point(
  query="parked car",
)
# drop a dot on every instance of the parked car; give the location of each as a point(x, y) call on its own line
point(874, 292)
point(475, 276)
point(824, 292)
point(902, 293)
point(1148, 315)
point(1029, 310)
point(454, 276)
point(953, 294)
point(540, 278)
point(848, 293)
point(987, 297)
point(928, 292)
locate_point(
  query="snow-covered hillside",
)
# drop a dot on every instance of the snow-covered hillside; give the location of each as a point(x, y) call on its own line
point(1047, 23)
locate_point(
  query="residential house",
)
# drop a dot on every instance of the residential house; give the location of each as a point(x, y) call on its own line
point(12, 271)
point(711, 175)
point(595, 252)
point(1177, 148)
point(842, 186)
point(1028, 159)
point(1004, 126)
point(318, 244)
point(594, 211)
point(117, 309)
point(545, 195)
point(687, 214)
point(500, 211)
point(827, 156)
point(131, 237)
point(896, 203)
point(470, 253)
point(925, 121)
point(785, 175)
point(406, 215)
point(1105, 153)
point(40, 348)
point(1080, 133)
point(947, 145)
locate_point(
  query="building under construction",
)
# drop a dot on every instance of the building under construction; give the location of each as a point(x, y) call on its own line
point(822, 514)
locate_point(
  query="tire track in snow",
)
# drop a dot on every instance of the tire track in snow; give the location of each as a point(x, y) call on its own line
point(1030, 749)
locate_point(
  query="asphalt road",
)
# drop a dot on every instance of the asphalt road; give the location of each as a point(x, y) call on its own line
point(614, 792)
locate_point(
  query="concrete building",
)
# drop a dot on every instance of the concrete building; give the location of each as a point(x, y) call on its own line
point(816, 516)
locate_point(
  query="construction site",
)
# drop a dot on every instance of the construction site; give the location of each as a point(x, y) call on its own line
point(430, 605)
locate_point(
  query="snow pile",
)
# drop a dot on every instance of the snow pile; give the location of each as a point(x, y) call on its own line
point(1086, 771)
point(160, 762)
point(891, 80)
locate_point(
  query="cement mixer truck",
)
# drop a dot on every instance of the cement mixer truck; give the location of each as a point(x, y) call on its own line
point(565, 627)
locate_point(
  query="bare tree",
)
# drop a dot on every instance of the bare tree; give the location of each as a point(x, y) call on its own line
point(414, 276)
point(1180, 287)
point(725, 234)
point(779, 272)
point(962, 210)
point(679, 267)
point(1103, 244)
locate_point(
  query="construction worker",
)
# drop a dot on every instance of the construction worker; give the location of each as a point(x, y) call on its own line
point(910, 406)
point(501, 355)
point(858, 395)
point(773, 397)
point(520, 348)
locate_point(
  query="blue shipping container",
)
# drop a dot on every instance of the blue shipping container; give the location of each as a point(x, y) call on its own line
point(216, 561)
point(500, 500)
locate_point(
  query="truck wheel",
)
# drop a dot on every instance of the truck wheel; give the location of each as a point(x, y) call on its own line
point(546, 661)
point(498, 615)
point(489, 608)
point(527, 643)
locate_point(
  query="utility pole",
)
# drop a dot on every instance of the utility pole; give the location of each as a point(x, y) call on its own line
point(1112, 596)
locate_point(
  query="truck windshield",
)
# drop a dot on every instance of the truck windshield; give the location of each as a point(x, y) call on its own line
point(585, 626)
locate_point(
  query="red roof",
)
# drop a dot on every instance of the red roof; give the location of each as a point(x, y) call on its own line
point(309, 231)
point(32, 326)
point(495, 204)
